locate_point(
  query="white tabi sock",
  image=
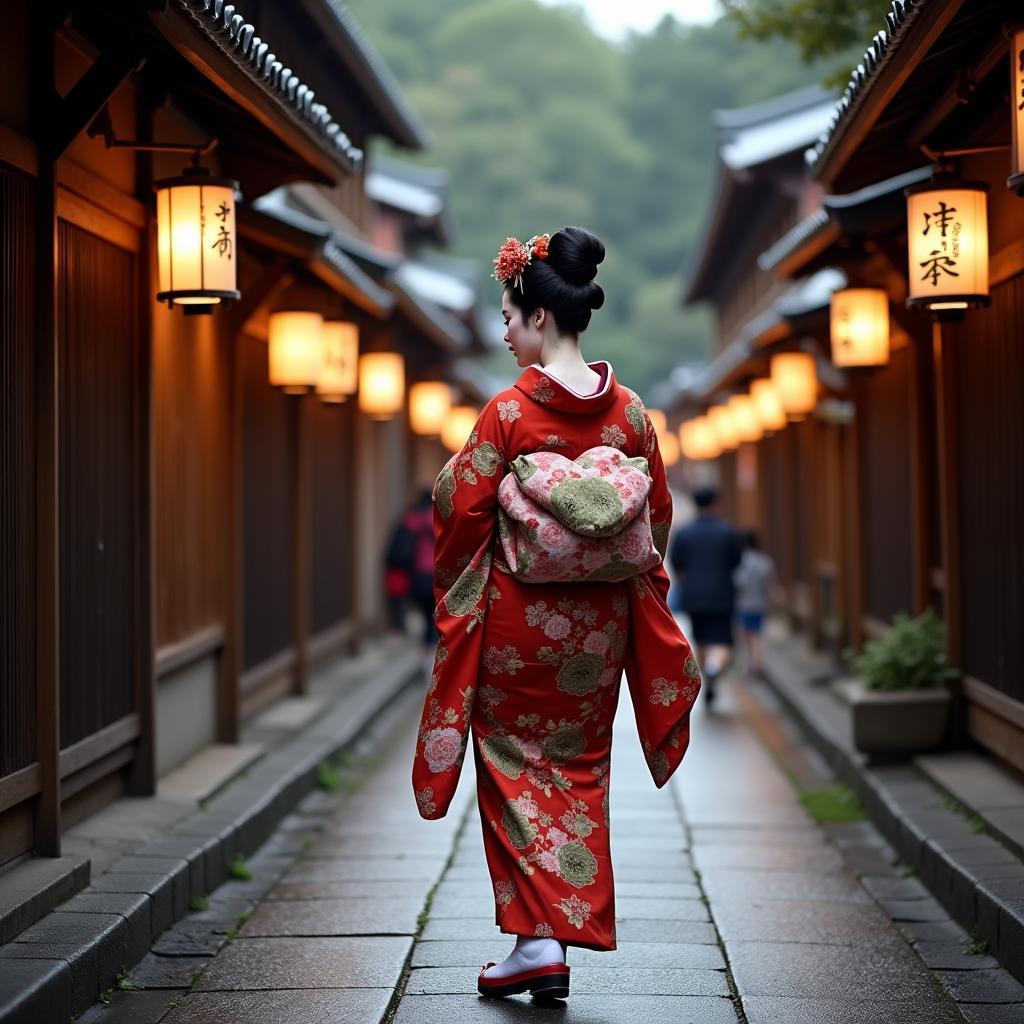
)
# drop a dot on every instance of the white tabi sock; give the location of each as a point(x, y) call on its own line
point(529, 954)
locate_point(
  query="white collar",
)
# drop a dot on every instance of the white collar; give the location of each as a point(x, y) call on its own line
point(573, 391)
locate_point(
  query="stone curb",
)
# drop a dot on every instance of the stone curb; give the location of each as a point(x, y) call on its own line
point(57, 967)
point(977, 880)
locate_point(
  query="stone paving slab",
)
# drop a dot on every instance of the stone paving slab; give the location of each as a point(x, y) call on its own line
point(397, 869)
point(593, 1009)
point(767, 857)
point(805, 969)
point(167, 972)
point(756, 885)
point(788, 1010)
point(627, 931)
point(130, 1008)
point(370, 962)
point(351, 1006)
point(377, 915)
point(1007, 1013)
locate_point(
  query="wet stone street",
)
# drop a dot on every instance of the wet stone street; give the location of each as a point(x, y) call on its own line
point(733, 904)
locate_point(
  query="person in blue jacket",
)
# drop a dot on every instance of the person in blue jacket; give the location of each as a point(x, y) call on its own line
point(703, 555)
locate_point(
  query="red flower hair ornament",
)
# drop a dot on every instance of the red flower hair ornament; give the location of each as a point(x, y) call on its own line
point(514, 257)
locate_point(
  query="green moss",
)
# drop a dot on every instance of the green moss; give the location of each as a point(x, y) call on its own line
point(832, 803)
point(239, 870)
point(199, 904)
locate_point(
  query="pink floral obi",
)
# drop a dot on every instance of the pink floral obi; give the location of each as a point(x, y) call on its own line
point(576, 521)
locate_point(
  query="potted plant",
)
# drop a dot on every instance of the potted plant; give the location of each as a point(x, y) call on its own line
point(899, 698)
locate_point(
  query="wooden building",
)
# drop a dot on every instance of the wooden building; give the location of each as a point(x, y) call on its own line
point(903, 490)
point(182, 541)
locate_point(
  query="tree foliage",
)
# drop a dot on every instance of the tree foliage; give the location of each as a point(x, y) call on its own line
point(542, 123)
point(817, 28)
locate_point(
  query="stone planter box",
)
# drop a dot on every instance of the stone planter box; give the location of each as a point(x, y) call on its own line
point(896, 721)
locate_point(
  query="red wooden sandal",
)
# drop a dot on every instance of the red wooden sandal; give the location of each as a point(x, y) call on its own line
point(548, 982)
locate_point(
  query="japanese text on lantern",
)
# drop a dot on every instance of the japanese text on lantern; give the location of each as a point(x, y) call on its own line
point(946, 239)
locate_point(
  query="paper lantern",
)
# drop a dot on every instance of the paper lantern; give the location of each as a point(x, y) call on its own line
point(381, 384)
point(947, 246)
point(721, 422)
point(296, 340)
point(860, 327)
point(769, 407)
point(1016, 179)
point(795, 380)
point(429, 404)
point(668, 444)
point(698, 439)
point(658, 421)
point(339, 374)
point(458, 426)
point(195, 240)
point(745, 418)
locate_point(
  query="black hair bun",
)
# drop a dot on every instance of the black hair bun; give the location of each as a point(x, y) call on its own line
point(574, 254)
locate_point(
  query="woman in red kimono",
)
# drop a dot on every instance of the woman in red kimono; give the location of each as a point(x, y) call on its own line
point(533, 670)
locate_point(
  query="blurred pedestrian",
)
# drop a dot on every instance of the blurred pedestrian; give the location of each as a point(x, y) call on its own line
point(704, 554)
point(550, 583)
point(398, 558)
point(419, 521)
point(753, 579)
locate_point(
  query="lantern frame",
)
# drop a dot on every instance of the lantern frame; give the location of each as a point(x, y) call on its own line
point(948, 307)
point(193, 177)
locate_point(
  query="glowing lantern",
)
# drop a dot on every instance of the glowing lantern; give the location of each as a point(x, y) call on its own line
point(195, 232)
point(429, 403)
point(795, 381)
point(721, 422)
point(769, 408)
point(296, 350)
point(339, 374)
point(381, 384)
point(947, 246)
point(458, 426)
point(698, 439)
point(668, 444)
point(658, 421)
point(860, 327)
point(745, 418)
point(1016, 179)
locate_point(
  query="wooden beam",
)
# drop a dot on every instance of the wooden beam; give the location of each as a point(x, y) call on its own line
point(854, 521)
point(920, 499)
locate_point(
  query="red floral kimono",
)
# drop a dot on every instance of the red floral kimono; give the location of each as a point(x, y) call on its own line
point(534, 669)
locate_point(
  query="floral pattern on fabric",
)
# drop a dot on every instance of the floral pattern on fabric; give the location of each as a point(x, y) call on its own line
point(533, 670)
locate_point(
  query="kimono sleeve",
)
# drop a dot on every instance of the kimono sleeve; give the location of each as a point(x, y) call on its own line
point(661, 670)
point(465, 520)
point(660, 503)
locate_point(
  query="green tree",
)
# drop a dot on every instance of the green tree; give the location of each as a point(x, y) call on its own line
point(817, 28)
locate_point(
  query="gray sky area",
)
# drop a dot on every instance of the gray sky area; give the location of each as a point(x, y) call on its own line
point(613, 18)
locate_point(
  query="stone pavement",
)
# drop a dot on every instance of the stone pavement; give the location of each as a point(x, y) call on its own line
point(734, 907)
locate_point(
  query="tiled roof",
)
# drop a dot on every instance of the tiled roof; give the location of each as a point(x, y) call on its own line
point(885, 42)
point(225, 27)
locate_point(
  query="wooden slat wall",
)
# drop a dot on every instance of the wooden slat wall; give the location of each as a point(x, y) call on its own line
point(989, 378)
point(776, 476)
point(17, 446)
point(268, 429)
point(98, 332)
point(332, 440)
point(191, 399)
point(885, 462)
point(727, 504)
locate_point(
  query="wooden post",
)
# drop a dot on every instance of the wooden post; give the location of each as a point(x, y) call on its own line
point(854, 521)
point(949, 509)
point(300, 537)
point(920, 534)
point(142, 771)
point(47, 398)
